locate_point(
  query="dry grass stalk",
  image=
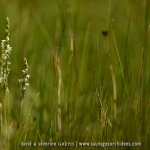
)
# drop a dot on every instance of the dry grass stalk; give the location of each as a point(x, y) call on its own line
point(115, 91)
point(57, 65)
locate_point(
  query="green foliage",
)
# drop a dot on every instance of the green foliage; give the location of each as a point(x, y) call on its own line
point(89, 72)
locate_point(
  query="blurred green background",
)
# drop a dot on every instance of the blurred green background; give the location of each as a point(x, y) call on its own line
point(85, 36)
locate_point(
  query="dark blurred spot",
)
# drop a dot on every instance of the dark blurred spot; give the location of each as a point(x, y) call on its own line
point(34, 118)
point(105, 32)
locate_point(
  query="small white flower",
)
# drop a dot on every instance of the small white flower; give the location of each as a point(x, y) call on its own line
point(28, 76)
point(1, 80)
point(23, 71)
point(20, 80)
point(26, 84)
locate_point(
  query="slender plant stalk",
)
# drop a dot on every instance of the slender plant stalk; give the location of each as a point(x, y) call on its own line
point(25, 83)
point(119, 60)
point(115, 92)
point(57, 64)
point(114, 102)
point(98, 63)
point(0, 118)
point(84, 56)
point(104, 112)
point(141, 75)
point(109, 13)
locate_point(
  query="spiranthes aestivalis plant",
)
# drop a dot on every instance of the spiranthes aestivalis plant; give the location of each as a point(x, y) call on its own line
point(24, 81)
point(4, 72)
point(25, 78)
point(5, 52)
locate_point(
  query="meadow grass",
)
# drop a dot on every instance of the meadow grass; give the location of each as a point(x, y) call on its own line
point(89, 73)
